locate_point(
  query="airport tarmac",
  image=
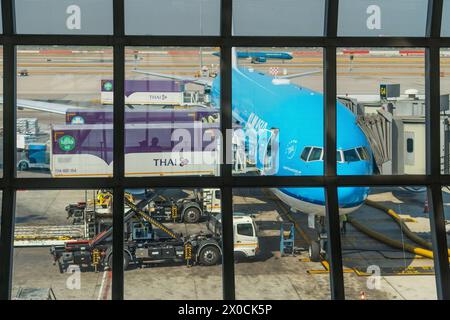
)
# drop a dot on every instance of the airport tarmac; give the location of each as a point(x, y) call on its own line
point(75, 79)
point(269, 276)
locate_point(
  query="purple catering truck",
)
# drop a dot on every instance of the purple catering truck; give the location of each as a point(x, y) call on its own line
point(155, 92)
point(142, 115)
point(151, 149)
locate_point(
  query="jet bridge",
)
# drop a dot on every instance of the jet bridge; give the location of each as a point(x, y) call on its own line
point(378, 129)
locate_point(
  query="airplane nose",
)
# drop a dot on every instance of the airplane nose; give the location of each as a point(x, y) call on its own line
point(351, 196)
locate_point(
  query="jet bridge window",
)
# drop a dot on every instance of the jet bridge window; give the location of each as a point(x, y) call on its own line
point(315, 155)
point(351, 155)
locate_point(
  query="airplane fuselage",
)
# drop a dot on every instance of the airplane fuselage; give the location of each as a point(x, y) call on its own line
point(295, 115)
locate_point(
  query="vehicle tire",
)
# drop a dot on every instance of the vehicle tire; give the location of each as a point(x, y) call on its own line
point(192, 215)
point(23, 166)
point(209, 256)
point(314, 251)
point(126, 261)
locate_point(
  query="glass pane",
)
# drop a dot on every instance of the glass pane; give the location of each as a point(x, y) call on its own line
point(61, 245)
point(64, 16)
point(64, 129)
point(375, 18)
point(444, 119)
point(172, 122)
point(277, 111)
point(381, 110)
point(386, 245)
point(172, 17)
point(174, 229)
point(272, 261)
point(446, 201)
point(278, 18)
point(445, 27)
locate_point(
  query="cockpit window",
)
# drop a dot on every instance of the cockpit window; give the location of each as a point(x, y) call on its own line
point(315, 155)
point(305, 153)
point(351, 155)
point(310, 154)
point(363, 153)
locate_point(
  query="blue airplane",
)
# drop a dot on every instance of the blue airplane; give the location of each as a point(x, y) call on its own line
point(260, 56)
point(291, 119)
point(293, 115)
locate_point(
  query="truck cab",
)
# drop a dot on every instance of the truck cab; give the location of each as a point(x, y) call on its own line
point(245, 233)
point(34, 156)
point(211, 200)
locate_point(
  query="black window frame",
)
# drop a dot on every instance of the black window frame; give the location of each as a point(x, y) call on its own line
point(330, 181)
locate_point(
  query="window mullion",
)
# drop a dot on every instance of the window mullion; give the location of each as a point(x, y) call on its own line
point(119, 153)
point(332, 208)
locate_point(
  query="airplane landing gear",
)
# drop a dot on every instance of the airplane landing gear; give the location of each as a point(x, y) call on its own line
point(314, 251)
point(318, 247)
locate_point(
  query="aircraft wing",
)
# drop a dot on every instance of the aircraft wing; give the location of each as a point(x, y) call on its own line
point(42, 106)
point(299, 75)
point(200, 81)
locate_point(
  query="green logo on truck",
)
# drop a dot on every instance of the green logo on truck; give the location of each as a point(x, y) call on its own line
point(66, 143)
point(107, 86)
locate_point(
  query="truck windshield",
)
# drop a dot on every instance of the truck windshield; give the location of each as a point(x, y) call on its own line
point(245, 229)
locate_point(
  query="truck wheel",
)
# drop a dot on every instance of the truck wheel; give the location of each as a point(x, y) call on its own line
point(126, 261)
point(314, 251)
point(23, 166)
point(209, 256)
point(192, 215)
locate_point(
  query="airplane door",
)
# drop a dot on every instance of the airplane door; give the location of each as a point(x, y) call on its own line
point(269, 151)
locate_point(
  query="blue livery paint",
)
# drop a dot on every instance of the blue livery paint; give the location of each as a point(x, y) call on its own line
point(297, 112)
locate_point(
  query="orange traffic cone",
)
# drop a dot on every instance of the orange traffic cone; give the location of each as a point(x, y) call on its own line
point(426, 209)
